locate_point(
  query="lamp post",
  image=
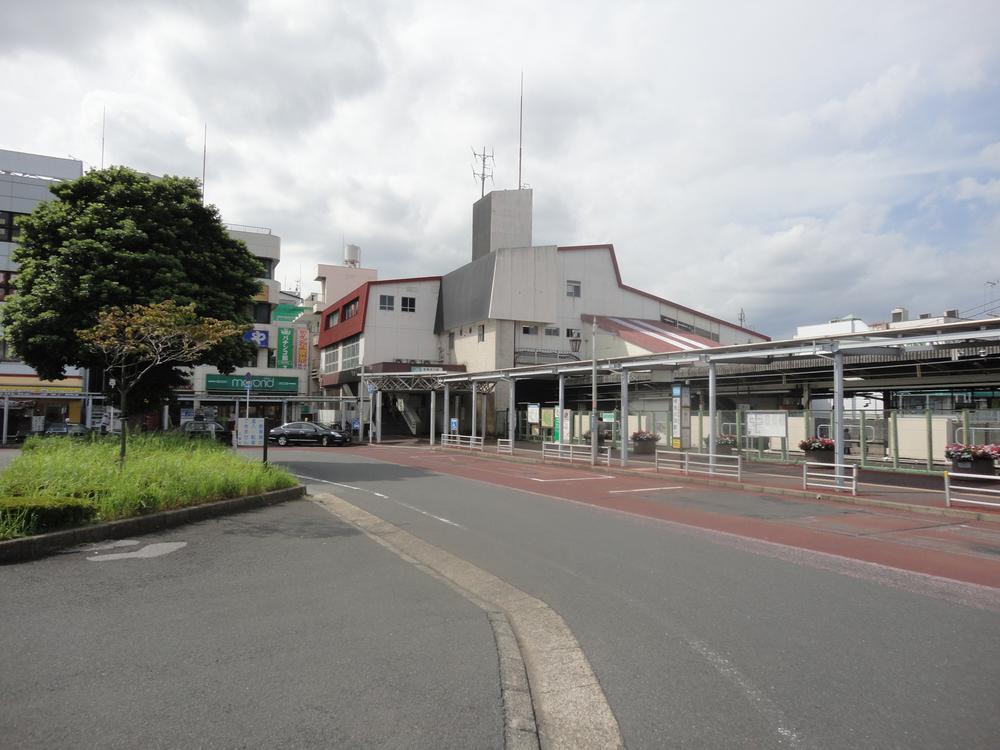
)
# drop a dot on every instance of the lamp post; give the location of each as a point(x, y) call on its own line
point(593, 391)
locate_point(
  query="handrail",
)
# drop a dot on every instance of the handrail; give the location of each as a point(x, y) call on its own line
point(949, 487)
point(571, 452)
point(817, 477)
point(505, 445)
point(454, 440)
point(690, 462)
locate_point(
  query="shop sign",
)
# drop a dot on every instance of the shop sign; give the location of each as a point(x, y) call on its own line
point(286, 313)
point(301, 348)
point(257, 336)
point(258, 383)
point(284, 351)
point(607, 416)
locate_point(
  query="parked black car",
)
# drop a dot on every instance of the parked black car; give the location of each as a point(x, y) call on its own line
point(203, 429)
point(309, 432)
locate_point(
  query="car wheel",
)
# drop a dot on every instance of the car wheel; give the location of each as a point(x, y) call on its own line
point(324, 441)
point(282, 440)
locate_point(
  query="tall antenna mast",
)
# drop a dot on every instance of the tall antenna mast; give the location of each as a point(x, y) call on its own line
point(742, 318)
point(484, 173)
point(104, 122)
point(520, 134)
point(204, 159)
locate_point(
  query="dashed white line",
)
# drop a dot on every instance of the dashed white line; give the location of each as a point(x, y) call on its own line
point(644, 489)
point(384, 497)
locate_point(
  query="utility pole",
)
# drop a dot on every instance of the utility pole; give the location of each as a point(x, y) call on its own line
point(593, 391)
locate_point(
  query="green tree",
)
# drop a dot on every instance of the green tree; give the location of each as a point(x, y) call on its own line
point(115, 238)
point(134, 342)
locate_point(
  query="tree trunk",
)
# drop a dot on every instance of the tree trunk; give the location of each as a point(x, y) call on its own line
point(124, 423)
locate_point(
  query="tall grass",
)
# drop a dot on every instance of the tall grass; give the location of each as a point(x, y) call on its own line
point(160, 472)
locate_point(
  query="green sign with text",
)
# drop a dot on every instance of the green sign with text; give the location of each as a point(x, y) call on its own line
point(258, 383)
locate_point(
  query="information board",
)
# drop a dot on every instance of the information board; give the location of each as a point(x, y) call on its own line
point(453, 427)
point(767, 424)
point(534, 415)
point(250, 432)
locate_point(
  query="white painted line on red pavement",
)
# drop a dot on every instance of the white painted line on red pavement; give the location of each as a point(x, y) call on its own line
point(644, 489)
point(572, 479)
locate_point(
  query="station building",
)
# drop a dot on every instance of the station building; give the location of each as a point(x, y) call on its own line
point(513, 304)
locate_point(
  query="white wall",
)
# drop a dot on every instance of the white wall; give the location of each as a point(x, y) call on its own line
point(391, 335)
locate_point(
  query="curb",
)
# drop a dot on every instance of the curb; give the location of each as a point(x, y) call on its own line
point(41, 545)
point(928, 510)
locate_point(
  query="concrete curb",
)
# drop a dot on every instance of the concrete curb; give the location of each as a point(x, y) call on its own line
point(33, 547)
point(929, 510)
point(561, 697)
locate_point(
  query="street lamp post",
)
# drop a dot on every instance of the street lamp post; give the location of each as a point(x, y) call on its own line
point(593, 391)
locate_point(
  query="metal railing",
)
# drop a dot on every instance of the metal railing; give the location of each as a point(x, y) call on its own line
point(454, 440)
point(571, 452)
point(505, 445)
point(818, 474)
point(980, 490)
point(700, 463)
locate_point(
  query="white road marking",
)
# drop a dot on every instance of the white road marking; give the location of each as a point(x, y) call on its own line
point(98, 547)
point(150, 550)
point(384, 497)
point(436, 518)
point(572, 479)
point(645, 489)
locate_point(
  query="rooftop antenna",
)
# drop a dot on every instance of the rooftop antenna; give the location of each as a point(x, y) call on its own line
point(520, 134)
point(104, 122)
point(484, 174)
point(204, 159)
point(742, 318)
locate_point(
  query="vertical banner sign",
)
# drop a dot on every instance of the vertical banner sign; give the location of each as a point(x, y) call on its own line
point(301, 348)
point(284, 353)
point(555, 428)
point(675, 413)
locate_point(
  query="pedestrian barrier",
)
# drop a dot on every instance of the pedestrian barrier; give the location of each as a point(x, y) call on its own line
point(818, 474)
point(454, 440)
point(700, 463)
point(982, 485)
point(505, 445)
point(571, 452)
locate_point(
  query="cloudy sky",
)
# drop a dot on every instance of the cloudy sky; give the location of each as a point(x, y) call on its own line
point(797, 160)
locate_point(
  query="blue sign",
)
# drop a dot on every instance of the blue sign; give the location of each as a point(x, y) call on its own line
point(257, 336)
point(454, 425)
point(356, 424)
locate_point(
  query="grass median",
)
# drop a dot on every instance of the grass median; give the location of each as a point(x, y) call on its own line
point(62, 482)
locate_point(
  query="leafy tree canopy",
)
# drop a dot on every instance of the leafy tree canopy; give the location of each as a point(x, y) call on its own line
point(116, 238)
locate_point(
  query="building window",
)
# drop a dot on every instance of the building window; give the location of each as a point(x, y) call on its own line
point(572, 333)
point(6, 284)
point(350, 353)
point(330, 360)
point(529, 330)
point(408, 304)
point(451, 341)
point(552, 331)
point(8, 228)
point(386, 302)
point(482, 333)
point(668, 320)
point(332, 319)
point(350, 309)
point(268, 264)
point(685, 326)
point(262, 312)
point(572, 288)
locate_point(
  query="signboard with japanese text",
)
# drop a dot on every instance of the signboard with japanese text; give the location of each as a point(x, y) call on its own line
point(250, 432)
point(767, 424)
point(301, 348)
point(283, 352)
point(533, 413)
point(286, 313)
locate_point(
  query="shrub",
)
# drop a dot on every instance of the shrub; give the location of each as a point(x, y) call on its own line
point(645, 437)
point(23, 516)
point(960, 452)
point(163, 472)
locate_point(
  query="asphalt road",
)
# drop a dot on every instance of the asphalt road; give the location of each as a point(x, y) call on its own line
point(279, 628)
point(700, 639)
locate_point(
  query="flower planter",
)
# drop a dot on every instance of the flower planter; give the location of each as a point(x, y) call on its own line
point(973, 466)
point(644, 447)
point(723, 450)
point(823, 457)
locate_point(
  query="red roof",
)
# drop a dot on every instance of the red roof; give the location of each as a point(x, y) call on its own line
point(654, 336)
